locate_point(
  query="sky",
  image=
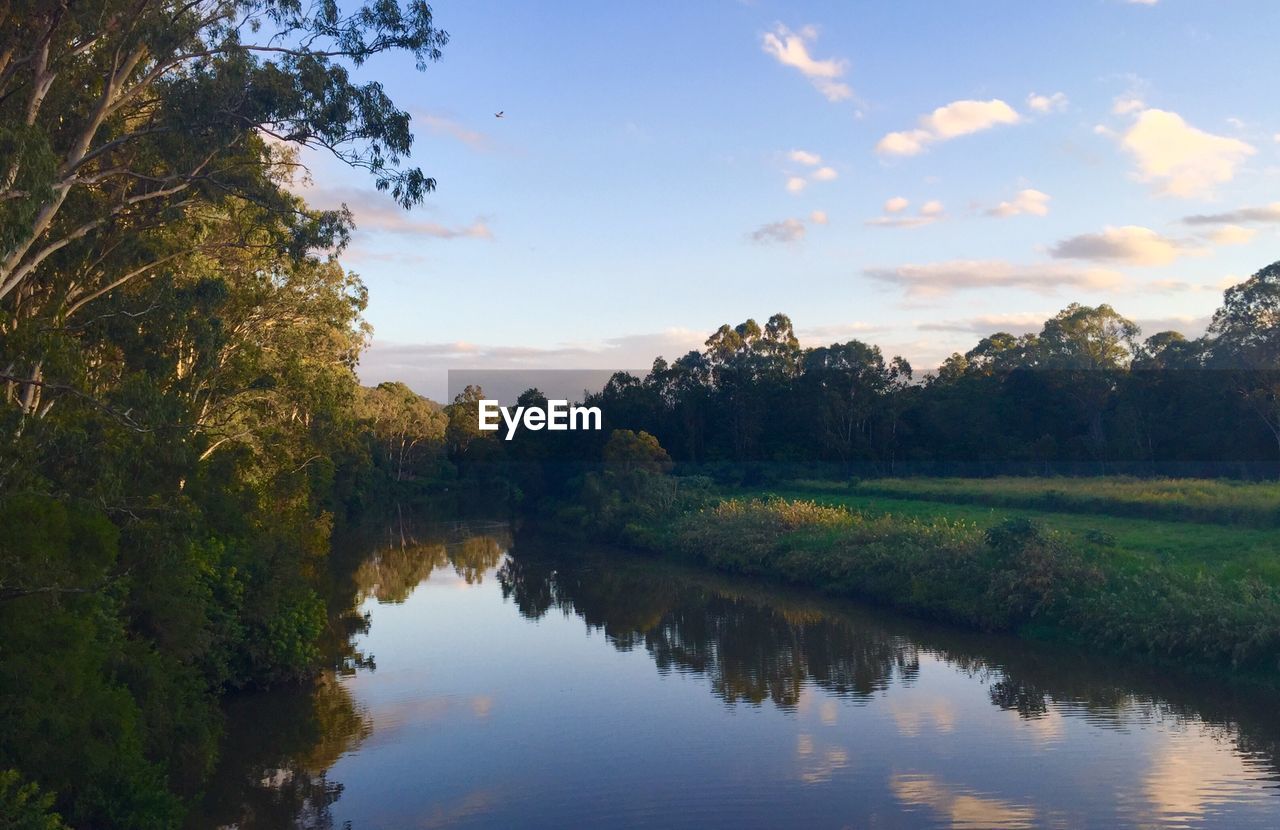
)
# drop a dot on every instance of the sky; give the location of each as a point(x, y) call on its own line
point(912, 174)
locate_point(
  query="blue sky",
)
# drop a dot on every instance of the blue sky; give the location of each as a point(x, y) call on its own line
point(913, 174)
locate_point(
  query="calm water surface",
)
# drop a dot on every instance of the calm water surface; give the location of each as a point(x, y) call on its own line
point(492, 684)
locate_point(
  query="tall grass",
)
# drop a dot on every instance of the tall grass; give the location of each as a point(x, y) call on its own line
point(1253, 504)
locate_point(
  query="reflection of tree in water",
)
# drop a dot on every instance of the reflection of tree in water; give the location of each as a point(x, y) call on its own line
point(391, 573)
point(280, 744)
point(277, 750)
point(752, 650)
point(474, 555)
point(756, 644)
point(405, 556)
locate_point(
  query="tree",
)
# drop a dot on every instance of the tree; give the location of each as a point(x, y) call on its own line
point(847, 385)
point(463, 430)
point(119, 119)
point(1088, 349)
point(1246, 341)
point(99, 96)
point(406, 426)
point(628, 451)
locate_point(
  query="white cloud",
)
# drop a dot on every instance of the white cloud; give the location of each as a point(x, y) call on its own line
point(440, 125)
point(1126, 104)
point(796, 183)
point(1016, 323)
point(792, 49)
point(835, 333)
point(1057, 102)
point(902, 221)
point(786, 231)
point(947, 122)
point(965, 117)
point(377, 213)
point(1189, 327)
point(1026, 201)
point(1232, 235)
point(1130, 244)
point(805, 157)
point(937, 278)
point(825, 174)
point(1183, 160)
point(908, 143)
point(930, 212)
point(1142, 2)
point(1265, 215)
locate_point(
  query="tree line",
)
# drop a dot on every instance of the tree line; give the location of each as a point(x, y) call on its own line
point(1086, 394)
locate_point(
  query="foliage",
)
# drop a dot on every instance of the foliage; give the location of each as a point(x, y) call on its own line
point(182, 426)
point(628, 452)
point(408, 429)
point(24, 807)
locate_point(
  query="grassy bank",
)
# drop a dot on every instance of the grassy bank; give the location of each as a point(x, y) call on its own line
point(1229, 552)
point(1199, 596)
point(1252, 504)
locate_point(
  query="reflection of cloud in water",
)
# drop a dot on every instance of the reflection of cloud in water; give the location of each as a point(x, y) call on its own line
point(960, 808)
point(1043, 730)
point(469, 806)
point(816, 766)
point(914, 712)
point(481, 706)
point(828, 710)
point(1194, 771)
point(391, 719)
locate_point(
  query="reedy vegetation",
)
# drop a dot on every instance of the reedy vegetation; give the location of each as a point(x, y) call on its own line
point(1018, 575)
point(1251, 504)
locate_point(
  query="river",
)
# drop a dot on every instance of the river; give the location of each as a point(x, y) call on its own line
point(486, 683)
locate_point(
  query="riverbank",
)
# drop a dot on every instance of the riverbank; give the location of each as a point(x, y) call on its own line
point(1201, 597)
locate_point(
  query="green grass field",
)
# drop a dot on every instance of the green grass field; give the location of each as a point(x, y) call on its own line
point(1213, 501)
point(1188, 546)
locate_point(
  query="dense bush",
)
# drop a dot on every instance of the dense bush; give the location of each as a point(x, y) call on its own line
point(24, 807)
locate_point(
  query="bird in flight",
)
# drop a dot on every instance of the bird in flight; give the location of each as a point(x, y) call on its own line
point(499, 114)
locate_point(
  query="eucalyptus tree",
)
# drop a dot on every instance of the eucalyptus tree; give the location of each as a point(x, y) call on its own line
point(121, 120)
point(1245, 334)
point(406, 426)
point(1088, 350)
point(847, 387)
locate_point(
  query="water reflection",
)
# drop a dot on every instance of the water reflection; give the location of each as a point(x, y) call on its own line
point(408, 555)
point(957, 808)
point(280, 747)
point(490, 708)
